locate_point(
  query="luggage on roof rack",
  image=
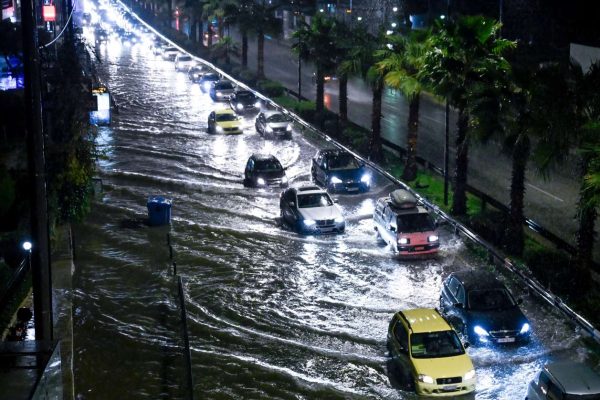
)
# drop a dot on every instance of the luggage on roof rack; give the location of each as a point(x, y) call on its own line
point(403, 199)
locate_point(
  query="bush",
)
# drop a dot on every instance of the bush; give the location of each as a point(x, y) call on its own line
point(248, 77)
point(270, 88)
point(553, 269)
point(490, 225)
point(357, 138)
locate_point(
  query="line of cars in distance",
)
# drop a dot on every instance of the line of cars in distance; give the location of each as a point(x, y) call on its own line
point(429, 345)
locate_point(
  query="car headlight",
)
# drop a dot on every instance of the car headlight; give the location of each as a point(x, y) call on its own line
point(366, 179)
point(260, 181)
point(206, 85)
point(403, 240)
point(469, 375)
point(257, 104)
point(219, 94)
point(284, 179)
point(433, 238)
point(309, 222)
point(425, 378)
point(339, 219)
point(239, 106)
point(219, 129)
point(269, 129)
point(288, 128)
point(480, 331)
point(525, 328)
point(335, 179)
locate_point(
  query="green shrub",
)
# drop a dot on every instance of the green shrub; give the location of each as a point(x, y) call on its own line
point(248, 77)
point(357, 138)
point(554, 269)
point(270, 88)
point(490, 224)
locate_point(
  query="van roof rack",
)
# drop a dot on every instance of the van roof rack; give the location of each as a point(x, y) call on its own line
point(403, 199)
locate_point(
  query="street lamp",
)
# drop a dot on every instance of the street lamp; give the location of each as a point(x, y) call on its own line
point(27, 246)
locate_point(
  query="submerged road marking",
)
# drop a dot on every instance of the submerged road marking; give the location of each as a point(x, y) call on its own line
point(546, 193)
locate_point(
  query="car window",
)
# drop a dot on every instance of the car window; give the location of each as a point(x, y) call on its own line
point(421, 222)
point(342, 161)
point(435, 344)
point(250, 165)
point(268, 165)
point(314, 200)
point(453, 285)
point(226, 117)
point(245, 96)
point(460, 294)
point(185, 58)
point(278, 118)
point(401, 334)
point(490, 299)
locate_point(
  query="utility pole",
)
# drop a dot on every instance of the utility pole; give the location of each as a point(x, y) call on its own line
point(40, 251)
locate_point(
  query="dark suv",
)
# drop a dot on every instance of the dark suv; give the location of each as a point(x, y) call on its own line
point(264, 170)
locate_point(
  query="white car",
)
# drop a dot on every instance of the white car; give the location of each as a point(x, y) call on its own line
point(170, 53)
point(309, 209)
point(183, 62)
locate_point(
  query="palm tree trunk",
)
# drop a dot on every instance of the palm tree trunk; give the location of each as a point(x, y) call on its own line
point(586, 214)
point(220, 27)
point(459, 200)
point(514, 241)
point(320, 90)
point(260, 62)
point(245, 49)
point(210, 32)
point(410, 167)
point(375, 149)
point(343, 99)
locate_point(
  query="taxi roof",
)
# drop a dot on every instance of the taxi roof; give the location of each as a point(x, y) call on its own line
point(224, 111)
point(425, 320)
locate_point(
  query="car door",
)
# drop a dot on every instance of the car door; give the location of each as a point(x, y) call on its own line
point(288, 212)
point(321, 170)
point(260, 123)
point(249, 171)
point(399, 348)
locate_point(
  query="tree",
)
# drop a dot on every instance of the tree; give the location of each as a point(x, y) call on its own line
point(460, 54)
point(223, 49)
point(362, 61)
point(196, 10)
point(401, 63)
point(571, 119)
point(316, 43)
point(215, 9)
point(345, 40)
point(241, 15)
point(263, 23)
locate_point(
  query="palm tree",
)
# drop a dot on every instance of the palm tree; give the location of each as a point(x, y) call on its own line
point(459, 56)
point(316, 43)
point(401, 63)
point(362, 61)
point(196, 10)
point(223, 49)
point(263, 23)
point(571, 119)
point(243, 18)
point(215, 9)
point(345, 40)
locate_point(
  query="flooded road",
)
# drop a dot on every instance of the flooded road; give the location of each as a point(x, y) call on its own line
point(272, 314)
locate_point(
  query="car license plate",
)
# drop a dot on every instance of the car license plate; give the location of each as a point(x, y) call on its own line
point(449, 388)
point(352, 189)
point(506, 340)
point(419, 248)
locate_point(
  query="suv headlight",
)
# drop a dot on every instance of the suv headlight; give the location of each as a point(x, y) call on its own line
point(260, 181)
point(239, 106)
point(257, 104)
point(469, 375)
point(284, 179)
point(425, 378)
point(288, 128)
point(269, 129)
point(525, 328)
point(309, 222)
point(480, 331)
point(366, 179)
point(335, 179)
point(403, 240)
point(339, 219)
point(433, 238)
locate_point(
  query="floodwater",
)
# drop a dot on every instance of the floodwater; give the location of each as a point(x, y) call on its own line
point(271, 314)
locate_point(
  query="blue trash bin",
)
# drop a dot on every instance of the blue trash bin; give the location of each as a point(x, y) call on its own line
point(159, 210)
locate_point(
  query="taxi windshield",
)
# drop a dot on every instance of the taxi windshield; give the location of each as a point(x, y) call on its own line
point(435, 344)
point(226, 117)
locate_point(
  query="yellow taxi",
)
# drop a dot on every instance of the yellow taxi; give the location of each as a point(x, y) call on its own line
point(224, 121)
point(425, 345)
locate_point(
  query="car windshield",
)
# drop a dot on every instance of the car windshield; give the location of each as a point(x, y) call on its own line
point(278, 118)
point(185, 58)
point(314, 200)
point(226, 117)
point(223, 85)
point(210, 77)
point(171, 49)
point(342, 161)
point(245, 96)
point(435, 344)
point(270, 165)
point(418, 222)
point(595, 396)
point(490, 299)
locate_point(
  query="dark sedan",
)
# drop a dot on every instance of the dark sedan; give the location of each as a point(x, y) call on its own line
point(207, 79)
point(338, 170)
point(244, 101)
point(481, 307)
point(264, 170)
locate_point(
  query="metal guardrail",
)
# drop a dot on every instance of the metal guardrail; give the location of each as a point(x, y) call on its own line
point(495, 257)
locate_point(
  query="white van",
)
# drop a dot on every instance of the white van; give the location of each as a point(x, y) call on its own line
point(405, 225)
